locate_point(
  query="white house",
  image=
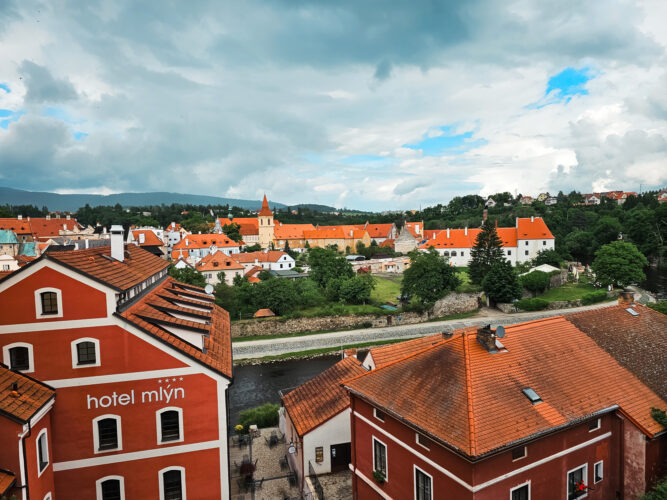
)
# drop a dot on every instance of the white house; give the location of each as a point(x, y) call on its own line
point(271, 260)
point(315, 419)
point(217, 264)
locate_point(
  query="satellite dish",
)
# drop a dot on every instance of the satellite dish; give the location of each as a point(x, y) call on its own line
point(500, 332)
point(291, 450)
point(208, 289)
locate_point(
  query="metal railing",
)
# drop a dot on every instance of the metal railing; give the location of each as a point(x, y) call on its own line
point(315, 480)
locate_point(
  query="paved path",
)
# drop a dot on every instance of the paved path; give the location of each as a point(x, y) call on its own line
point(273, 347)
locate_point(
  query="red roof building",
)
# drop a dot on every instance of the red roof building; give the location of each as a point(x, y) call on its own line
point(140, 365)
point(195, 247)
point(271, 260)
point(215, 263)
point(469, 417)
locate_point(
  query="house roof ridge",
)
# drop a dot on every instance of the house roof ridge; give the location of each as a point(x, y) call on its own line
point(472, 450)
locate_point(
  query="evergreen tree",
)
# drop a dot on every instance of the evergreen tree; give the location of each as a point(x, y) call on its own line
point(486, 252)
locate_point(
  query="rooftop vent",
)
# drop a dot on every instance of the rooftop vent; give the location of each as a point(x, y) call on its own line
point(532, 396)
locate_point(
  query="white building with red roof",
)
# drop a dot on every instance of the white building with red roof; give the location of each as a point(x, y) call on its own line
point(218, 265)
point(194, 247)
point(271, 260)
point(140, 365)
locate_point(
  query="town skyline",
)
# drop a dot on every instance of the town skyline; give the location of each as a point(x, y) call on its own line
point(355, 109)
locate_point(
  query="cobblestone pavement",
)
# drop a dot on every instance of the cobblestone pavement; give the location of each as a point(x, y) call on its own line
point(337, 486)
point(276, 485)
point(272, 347)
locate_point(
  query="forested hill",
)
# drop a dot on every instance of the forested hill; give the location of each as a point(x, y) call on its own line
point(72, 202)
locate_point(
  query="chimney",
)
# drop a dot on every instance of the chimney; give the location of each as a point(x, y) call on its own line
point(68, 217)
point(532, 218)
point(117, 247)
point(65, 227)
point(626, 298)
point(86, 240)
point(433, 236)
point(20, 217)
point(517, 223)
point(465, 231)
point(48, 217)
point(485, 215)
point(487, 338)
point(447, 233)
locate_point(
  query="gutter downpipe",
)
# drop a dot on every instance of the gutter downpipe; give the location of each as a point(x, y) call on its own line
point(24, 463)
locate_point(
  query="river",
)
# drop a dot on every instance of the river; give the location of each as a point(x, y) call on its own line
point(255, 385)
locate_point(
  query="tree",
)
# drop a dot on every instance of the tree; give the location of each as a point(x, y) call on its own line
point(550, 257)
point(326, 264)
point(486, 252)
point(264, 275)
point(606, 230)
point(535, 282)
point(501, 283)
point(619, 263)
point(581, 245)
point(278, 294)
point(232, 231)
point(357, 290)
point(253, 248)
point(429, 277)
point(188, 275)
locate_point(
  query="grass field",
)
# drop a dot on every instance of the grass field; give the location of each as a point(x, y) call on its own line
point(386, 290)
point(568, 291)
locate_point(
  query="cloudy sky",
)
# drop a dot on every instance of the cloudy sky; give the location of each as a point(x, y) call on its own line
point(366, 104)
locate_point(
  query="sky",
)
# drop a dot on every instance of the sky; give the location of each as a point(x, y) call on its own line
point(375, 105)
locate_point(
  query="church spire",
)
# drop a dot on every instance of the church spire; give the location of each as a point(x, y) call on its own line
point(265, 211)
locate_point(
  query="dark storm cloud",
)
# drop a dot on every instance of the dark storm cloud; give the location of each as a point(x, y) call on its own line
point(43, 87)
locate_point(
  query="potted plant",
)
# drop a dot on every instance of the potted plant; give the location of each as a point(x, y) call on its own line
point(379, 476)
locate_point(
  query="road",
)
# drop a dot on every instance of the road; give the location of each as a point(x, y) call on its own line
point(272, 347)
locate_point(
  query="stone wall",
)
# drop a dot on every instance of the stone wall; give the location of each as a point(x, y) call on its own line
point(454, 303)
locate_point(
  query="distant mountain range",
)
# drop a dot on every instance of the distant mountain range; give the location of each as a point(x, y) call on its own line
point(72, 202)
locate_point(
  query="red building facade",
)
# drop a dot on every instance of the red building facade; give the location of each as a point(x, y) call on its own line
point(140, 365)
point(547, 415)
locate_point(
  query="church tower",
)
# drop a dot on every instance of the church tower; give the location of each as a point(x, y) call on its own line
point(266, 225)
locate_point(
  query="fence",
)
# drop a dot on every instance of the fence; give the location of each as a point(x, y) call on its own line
point(315, 480)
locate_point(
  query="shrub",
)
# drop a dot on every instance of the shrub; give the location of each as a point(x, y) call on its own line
point(593, 297)
point(658, 492)
point(660, 306)
point(532, 304)
point(263, 416)
point(535, 282)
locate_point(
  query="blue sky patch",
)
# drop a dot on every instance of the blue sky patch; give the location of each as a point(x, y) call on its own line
point(5, 87)
point(8, 116)
point(63, 115)
point(448, 142)
point(79, 135)
point(570, 82)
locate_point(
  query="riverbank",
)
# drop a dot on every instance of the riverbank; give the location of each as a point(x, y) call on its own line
point(292, 347)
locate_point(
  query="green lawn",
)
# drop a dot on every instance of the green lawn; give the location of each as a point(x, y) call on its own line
point(568, 291)
point(386, 290)
point(466, 286)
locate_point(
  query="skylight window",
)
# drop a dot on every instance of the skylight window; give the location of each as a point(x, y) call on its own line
point(533, 397)
point(632, 311)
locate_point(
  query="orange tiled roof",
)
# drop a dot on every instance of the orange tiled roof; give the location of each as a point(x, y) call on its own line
point(411, 227)
point(387, 243)
point(18, 226)
point(217, 261)
point(7, 480)
point(249, 226)
point(430, 233)
point(377, 230)
point(201, 241)
point(471, 400)
point(47, 228)
point(638, 343)
point(384, 355)
point(322, 397)
point(265, 211)
point(263, 313)
point(29, 398)
point(152, 312)
point(334, 232)
point(536, 230)
point(96, 263)
point(291, 231)
point(261, 256)
point(150, 238)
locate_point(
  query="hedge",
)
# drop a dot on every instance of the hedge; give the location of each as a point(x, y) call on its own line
point(263, 416)
point(593, 297)
point(532, 304)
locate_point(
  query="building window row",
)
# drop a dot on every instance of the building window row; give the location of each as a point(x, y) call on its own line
point(19, 356)
point(108, 436)
point(171, 485)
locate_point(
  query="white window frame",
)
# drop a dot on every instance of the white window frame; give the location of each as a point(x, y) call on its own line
point(375, 414)
point(597, 428)
point(96, 436)
point(585, 475)
point(414, 480)
point(160, 475)
point(158, 425)
point(75, 356)
point(525, 454)
point(386, 457)
point(98, 486)
point(38, 303)
point(527, 483)
point(417, 434)
point(7, 359)
point(601, 464)
point(44, 433)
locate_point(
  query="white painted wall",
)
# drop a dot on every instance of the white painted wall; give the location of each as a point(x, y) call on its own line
point(533, 247)
point(335, 431)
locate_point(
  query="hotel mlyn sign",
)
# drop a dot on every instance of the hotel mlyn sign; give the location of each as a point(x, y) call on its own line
point(113, 380)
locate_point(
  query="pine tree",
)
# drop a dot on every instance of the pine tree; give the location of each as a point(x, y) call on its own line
point(486, 252)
